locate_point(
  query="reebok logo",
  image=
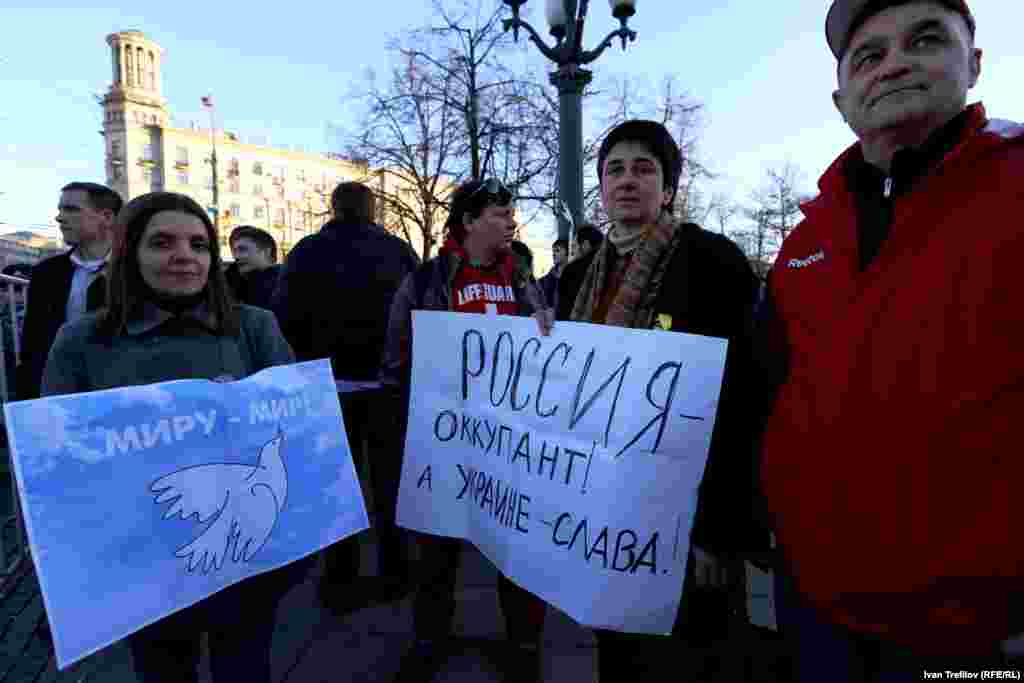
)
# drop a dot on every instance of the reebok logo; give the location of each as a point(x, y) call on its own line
point(809, 261)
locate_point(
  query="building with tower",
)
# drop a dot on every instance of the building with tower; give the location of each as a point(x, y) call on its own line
point(285, 192)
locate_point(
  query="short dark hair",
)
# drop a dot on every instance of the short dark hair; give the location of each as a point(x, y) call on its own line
point(560, 243)
point(587, 232)
point(100, 196)
point(466, 199)
point(658, 141)
point(353, 202)
point(125, 287)
point(262, 238)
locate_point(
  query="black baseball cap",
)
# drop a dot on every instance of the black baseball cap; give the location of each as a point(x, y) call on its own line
point(846, 16)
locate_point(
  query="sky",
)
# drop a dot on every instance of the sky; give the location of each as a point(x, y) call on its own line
point(762, 70)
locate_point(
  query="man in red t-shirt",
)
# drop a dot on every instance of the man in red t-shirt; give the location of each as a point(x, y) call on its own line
point(475, 272)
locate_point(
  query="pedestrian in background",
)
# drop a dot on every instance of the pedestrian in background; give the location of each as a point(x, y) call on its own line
point(333, 299)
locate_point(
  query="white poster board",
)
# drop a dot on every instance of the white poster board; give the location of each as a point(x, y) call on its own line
point(571, 461)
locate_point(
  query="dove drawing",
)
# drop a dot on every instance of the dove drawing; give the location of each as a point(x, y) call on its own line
point(243, 502)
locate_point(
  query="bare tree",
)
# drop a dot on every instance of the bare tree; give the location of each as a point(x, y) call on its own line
point(781, 199)
point(756, 240)
point(722, 210)
point(452, 110)
point(773, 212)
point(681, 115)
point(407, 138)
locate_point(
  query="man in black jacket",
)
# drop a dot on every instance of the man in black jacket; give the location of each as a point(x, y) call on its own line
point(65, 287)
point(332, 301)
point(255, 253)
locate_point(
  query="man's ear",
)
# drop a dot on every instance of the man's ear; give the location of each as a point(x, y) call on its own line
point(466, 220)
point(976, 55)
point(837, 100)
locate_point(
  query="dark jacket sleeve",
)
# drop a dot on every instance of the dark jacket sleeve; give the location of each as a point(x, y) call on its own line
point(65, 369)
point(39, 327)
point(770, 356)
point(395, 359)
point(569, 285)
point(292, 301)
point(725, 520)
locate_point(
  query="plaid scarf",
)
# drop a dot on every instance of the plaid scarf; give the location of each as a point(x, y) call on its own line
point(633, 305)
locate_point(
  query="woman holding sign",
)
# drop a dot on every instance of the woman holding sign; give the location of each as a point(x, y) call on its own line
point(655, 272)
point(169, 316)
point(475, 272)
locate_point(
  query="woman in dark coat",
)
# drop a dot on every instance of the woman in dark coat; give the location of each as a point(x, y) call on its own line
point(169, 316)
point(655, 272)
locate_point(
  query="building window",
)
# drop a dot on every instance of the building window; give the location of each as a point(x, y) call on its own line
point(115, 172)
point(147, 152)
point(236, 211)
point(280, 173)
point(209, 182)
point(301, 177)
point(257, 168)
point(233, 186)
point(139, 65)
point(147, 175)
point(257, 212)
point(129, 66)
point(182, 155)
point(115, 149)
point(183, 177)
point(233, 167)
point(151, 74)
point(278, 216)
point(257, 190)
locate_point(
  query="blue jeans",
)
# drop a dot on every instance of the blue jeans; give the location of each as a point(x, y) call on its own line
point(830, 652)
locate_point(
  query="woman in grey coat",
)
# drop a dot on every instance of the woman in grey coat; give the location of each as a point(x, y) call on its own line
point(169, 316)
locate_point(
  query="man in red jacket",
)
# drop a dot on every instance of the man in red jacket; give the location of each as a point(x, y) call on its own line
point(891, 455)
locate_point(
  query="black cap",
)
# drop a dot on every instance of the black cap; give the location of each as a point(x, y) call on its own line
point(846, 16)
point(657, 139)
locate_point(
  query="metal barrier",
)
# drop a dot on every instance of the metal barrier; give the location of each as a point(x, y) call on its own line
point(13, 298)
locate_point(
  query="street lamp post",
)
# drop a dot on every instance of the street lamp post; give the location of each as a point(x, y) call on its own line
point(208, 104)
point(566, 19)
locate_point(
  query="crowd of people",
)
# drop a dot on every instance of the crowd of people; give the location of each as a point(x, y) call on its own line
point(863, 443)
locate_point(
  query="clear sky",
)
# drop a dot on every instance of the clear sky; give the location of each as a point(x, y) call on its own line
point(762, 69)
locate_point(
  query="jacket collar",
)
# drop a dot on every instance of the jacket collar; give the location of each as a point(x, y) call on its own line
point(153, 317)
point(508, 261)
point(93, 266)
point(338, 227)
point(907, 164)
point(946, 144)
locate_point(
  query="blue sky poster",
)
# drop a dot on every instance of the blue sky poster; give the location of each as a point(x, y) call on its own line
point(144, 500)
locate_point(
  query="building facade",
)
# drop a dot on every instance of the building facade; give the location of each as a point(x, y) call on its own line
point(25, 247)
point(284, 192)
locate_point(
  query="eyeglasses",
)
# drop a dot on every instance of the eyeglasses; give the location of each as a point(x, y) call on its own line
point(494, 188)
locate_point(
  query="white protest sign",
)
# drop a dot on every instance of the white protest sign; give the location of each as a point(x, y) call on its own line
point(144, 500)
point(572, 461)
